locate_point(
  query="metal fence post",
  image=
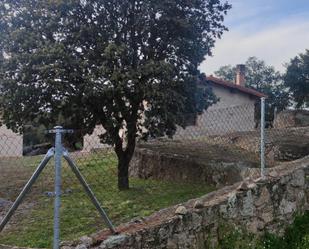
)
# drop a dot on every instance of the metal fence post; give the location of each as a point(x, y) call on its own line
point(263, 137)
point(57, 204)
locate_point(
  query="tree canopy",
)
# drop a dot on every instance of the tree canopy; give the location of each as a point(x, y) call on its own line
point(263, 78)
point(130, 64)
point(296, 79)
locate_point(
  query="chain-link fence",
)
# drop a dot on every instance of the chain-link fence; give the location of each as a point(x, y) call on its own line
point(32, 224)
point(220, 147)
point(286, 135)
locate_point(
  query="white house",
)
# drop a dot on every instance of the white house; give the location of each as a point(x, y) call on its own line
point(235, 111)
point(11, 144)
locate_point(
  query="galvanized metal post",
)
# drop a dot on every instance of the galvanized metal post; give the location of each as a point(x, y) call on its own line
point(58, 152)
point(263, 137)
point(57, 204)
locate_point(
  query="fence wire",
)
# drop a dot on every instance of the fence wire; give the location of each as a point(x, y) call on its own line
point(219, 147)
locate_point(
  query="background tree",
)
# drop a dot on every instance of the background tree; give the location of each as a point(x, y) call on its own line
point(126, 65)
point(227, 72)
point(262, 78)
point(297, 79)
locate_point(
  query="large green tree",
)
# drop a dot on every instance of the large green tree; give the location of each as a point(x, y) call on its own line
point(263, 78)
point(129, 64)
point(296, 79)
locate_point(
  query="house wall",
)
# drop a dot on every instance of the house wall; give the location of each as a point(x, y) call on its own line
point(234, 112)
point(92, 141)
point(229, 98)
point(11, 144)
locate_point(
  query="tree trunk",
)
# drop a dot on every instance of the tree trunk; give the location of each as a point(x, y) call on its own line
point(124, 158)
point(123, 173)
point(125, 155)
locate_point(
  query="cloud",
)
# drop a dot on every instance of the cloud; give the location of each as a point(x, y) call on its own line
point(275, 44)
point(272, 30)
point(248, 11)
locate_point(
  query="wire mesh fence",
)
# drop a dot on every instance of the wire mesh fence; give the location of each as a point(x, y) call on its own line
point(219, 147)
point(287, 136)
point(32, 224)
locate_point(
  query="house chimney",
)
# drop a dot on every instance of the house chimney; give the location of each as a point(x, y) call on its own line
point(240, 75)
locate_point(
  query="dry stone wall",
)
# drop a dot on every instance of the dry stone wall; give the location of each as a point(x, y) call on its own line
point(281, 144)
point(149, 163)
point(257, 205)
point(291, 118)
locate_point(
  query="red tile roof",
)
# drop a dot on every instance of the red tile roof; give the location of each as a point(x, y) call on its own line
point(232, 85)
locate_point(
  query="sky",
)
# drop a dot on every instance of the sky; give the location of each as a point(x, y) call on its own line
point(272, 30)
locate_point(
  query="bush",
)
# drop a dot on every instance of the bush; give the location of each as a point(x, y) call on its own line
point(295, 237)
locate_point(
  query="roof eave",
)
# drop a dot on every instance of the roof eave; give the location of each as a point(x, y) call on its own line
point(231, 85)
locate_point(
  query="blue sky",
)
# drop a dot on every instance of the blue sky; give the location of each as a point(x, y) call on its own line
point(272, 30)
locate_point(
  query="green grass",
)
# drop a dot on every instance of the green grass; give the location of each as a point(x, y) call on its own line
point(33, 226)
point(295, 237)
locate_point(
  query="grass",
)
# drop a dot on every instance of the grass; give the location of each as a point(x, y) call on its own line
point(295, 237)
point(32, 225)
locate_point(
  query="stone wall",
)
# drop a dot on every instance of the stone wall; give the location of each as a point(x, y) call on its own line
point(257, 205)
point(184, 166)
point(286, 144)
point(292, 118)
